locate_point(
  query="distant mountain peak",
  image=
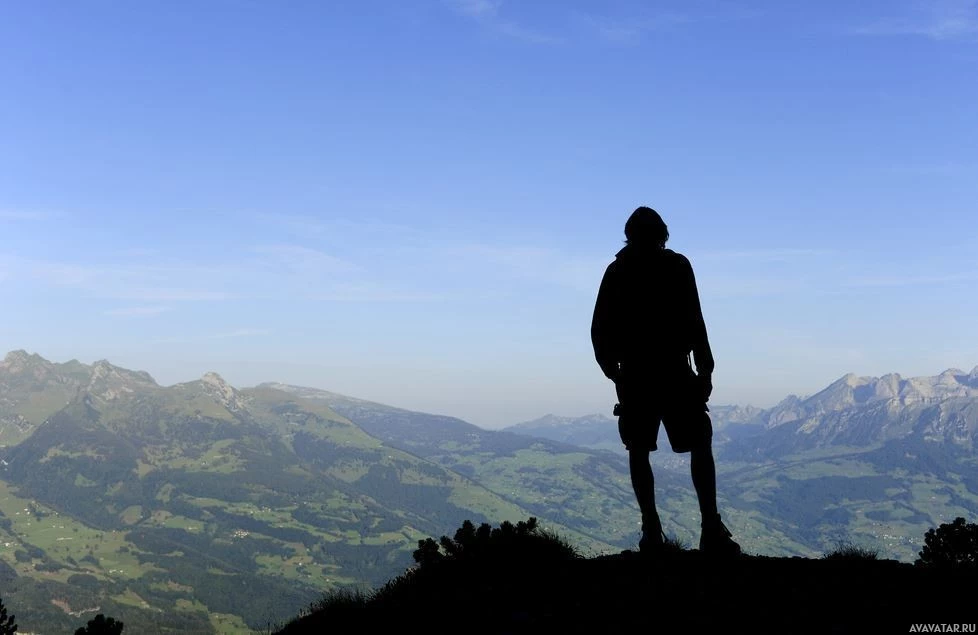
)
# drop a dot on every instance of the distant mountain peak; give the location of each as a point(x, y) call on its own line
point(214, 378)
point(109, 381)
point(551, 420)
point(20, 359)
point(950, 376)
point(853, 380)
point(224, 392)
point(19, 355)
point(851, 390)
point(103, 368)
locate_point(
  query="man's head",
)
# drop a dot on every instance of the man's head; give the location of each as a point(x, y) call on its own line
point(646, 228)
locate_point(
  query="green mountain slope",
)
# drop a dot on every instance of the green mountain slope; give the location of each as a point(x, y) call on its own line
point(586, 489)
point(201, 508)
point(178, 508)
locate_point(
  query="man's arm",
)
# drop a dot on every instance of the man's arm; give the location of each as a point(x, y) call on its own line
point(603, 330)
point(699, 339)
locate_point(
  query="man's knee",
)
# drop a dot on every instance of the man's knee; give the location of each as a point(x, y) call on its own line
point(701, 455)
point(703, 450)
point(639, 455)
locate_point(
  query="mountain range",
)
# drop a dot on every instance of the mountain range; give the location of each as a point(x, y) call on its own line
point(201, 507)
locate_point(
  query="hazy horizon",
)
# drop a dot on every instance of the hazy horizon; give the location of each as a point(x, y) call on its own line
point(414, 204)
point(491, 425)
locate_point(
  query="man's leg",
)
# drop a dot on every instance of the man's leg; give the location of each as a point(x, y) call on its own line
point(644, 485)
point(704, 472)
point(715, 537)
point(643, 482)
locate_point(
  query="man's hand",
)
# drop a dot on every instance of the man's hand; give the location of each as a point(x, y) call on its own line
point(706, 386)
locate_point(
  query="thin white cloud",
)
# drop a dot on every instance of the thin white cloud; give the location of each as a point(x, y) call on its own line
point(745, 286)
point(262, 271)
point(327, 226)
point(488, 13)
point(773, 254)
point(540, 264)
point(647, 19)
point(138, 311)
point(235, 333)
point(273, 272)
point(242, 332)
point(906, 281)
point(477, 8)
point(144, 283)
point(760, 272)
point(173, 294)
point(63, 274)
point(629, 30)
point(296, 223)
point(937, 20)
point(944, 168)
point(376, 294)
point(139, 252)
point(807, 348)
point(299, 260)
point(24, 215)
point(519, 32)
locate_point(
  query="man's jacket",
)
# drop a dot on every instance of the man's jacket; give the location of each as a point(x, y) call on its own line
point(647, 317)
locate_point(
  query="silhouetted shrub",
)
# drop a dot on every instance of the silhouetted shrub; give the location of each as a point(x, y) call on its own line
point(340, 600)
point(101, 625)
point(848, 551)
point(7, 624)
point(457, 572)
point(952, 546)
point(673, 545)
point(505, 543)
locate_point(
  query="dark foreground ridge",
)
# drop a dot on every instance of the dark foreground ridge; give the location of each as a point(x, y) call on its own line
point(533, 582)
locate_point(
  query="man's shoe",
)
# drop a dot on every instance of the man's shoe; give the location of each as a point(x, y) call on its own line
point(651, 543)
point(653, 538)
point(716, 540)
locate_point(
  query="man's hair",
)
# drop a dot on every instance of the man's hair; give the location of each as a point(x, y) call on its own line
point(646, 227)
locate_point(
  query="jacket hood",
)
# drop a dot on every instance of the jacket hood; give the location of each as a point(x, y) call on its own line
point(636, 252)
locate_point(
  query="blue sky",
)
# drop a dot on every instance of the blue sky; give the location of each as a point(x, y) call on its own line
point(414, 202)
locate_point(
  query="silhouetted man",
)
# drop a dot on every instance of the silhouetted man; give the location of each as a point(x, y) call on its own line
point(647, 321)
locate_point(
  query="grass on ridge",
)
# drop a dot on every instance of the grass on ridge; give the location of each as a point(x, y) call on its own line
point(847, 551)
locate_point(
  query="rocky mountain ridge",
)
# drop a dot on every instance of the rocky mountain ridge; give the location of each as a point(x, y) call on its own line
point(32, 387)
point(851, 410)
point(851, 390)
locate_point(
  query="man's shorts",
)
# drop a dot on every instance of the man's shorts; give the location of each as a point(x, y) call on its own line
point(675, 400)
